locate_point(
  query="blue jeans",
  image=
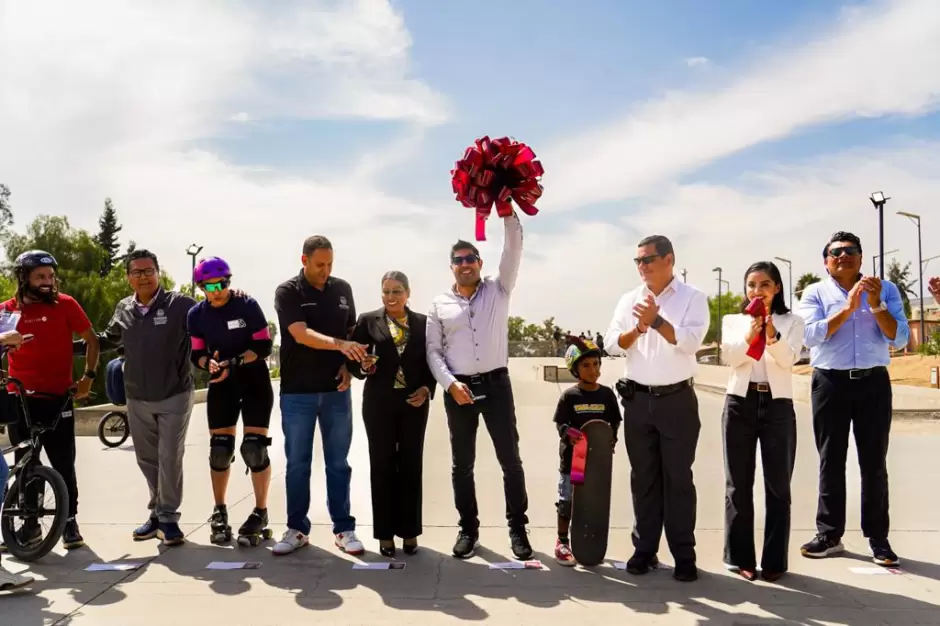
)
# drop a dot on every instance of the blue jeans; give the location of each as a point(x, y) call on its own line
point(299, 415)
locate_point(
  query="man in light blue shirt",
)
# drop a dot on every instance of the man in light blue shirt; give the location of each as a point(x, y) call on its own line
point(852, 322)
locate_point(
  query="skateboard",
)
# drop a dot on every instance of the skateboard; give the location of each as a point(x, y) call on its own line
point(591, 470)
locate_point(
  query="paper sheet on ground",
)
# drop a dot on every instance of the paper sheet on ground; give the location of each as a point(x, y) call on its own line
point(378, 566)
point(517, 565)
point(112, 567)
point(227, 565)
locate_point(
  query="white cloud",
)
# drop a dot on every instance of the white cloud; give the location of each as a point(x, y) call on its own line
point(881, 60)
point(696, 61)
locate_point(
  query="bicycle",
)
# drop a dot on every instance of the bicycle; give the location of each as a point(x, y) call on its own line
point(114, 422)
point(26, 493)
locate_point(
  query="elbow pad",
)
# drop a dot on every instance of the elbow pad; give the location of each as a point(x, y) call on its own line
point(198, 354)
point(261, 347)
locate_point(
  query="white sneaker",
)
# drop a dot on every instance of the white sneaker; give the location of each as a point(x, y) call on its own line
point(10, 581)
point(291, 540)
point(349, 543)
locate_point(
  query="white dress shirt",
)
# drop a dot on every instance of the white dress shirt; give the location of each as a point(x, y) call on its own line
point(652, 360)
point(776, 364)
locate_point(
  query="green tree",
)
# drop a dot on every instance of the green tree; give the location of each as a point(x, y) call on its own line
point(730, 304)
point(187, 289)
point(516, 328)
point(901, 276)
point(6, 211)
point(272, 330)
point(107, 237)
point(803, 282)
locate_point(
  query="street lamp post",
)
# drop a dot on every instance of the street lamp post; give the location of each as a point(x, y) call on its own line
point(192, 251)
point(878, 199)
point(874, 269)
point(790, 273)
point(920, 268)
point(718, 352)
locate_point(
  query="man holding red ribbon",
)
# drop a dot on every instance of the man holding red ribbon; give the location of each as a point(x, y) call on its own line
point(467, 349)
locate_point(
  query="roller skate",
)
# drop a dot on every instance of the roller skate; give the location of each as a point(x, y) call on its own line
point(255, 529)
point(220, 531)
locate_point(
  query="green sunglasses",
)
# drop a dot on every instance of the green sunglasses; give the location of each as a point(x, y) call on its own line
point(215, 287)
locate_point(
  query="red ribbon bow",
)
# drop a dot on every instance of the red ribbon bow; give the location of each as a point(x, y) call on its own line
point(495, 172)
point(756, 309)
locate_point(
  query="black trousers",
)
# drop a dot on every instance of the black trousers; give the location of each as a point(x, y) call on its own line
point(499, 414)
point(396, 452)
point(865, 404)
point(758, 419)
point(59, 444)
point(661, 434)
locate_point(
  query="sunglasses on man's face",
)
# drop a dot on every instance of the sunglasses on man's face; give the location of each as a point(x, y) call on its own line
point(150, 271)
point(646, 260)
point(469, 259)
point(215, 287)
point(847, 250)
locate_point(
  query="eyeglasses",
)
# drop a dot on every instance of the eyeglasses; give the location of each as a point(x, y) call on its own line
point(150, 271)
point(646, 260)
point(467, 258)
point(215, 287)
point(849, 250)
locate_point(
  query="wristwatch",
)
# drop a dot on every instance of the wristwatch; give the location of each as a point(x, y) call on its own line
point(881, 307)
point(90, 374)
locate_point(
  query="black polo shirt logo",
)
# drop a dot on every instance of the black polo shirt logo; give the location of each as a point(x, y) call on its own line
point(342, 302)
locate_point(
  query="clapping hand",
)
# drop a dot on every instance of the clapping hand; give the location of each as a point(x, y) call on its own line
point(216, 366)
point(757, 325)
point(647, 311)
point(872, 287)
point(934, 287)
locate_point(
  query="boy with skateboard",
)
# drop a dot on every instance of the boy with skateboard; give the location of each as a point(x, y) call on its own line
point(588, 404)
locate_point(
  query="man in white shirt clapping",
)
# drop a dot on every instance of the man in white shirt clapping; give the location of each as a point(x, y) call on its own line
point(659, 326)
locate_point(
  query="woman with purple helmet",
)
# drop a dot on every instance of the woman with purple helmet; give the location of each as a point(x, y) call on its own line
point(230, 339)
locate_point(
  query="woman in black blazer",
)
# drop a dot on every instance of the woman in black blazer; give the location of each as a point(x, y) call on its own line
point(395, 405)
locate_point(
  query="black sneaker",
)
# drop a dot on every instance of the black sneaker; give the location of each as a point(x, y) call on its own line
point(685, 571)
point(465, 545)
point(71, 538)
point(882, 554)
point(519, 541)
point(641, 563)
point(147, 530)
point(821, 546)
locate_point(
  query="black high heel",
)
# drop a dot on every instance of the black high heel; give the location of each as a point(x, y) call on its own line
point(387, 550)
point(410, 546)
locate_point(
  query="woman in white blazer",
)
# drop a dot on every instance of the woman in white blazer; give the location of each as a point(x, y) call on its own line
point(759, 410)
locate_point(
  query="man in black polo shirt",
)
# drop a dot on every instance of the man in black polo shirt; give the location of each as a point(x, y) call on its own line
point(316, 313)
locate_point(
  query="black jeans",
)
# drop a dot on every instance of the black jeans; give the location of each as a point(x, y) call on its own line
point(396, 451)
point(865, 404)
point(771, 423)
point(59, 444)
point(499, 414)
point(661, 434)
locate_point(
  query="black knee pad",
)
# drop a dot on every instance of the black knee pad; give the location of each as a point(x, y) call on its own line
point(255, 452)
point(221, 452)
point(564, 509)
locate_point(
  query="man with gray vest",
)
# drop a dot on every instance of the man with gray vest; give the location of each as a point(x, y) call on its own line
point(158, 381)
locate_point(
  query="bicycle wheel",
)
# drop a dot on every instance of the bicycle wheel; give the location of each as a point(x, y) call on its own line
point(112, 429)
point(16, 507)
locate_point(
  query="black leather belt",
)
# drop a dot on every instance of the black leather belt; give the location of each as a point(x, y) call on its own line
point(474, 379)
point(759, 387)
point(856, 374)
point(663, 390)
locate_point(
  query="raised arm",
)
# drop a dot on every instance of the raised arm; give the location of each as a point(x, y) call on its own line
point(621, 332)
point(435, 350)
point(734, 343)
point(512, 253)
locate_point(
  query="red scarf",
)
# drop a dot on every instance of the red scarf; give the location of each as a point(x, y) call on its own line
point(756, 349)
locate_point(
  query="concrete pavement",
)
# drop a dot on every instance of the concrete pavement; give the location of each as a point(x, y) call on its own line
point(318, 583)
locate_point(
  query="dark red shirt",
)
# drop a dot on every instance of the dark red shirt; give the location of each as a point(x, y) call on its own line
point(44, 364)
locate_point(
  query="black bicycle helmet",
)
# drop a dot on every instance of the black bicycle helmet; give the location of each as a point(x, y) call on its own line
point(31, 259)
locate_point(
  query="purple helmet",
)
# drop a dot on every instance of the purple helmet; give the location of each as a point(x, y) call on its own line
point(213, 267)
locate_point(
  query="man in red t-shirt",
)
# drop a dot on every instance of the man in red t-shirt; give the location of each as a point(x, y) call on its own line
point(44, 365)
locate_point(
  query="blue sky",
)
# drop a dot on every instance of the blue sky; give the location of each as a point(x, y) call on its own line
point(740, 129)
